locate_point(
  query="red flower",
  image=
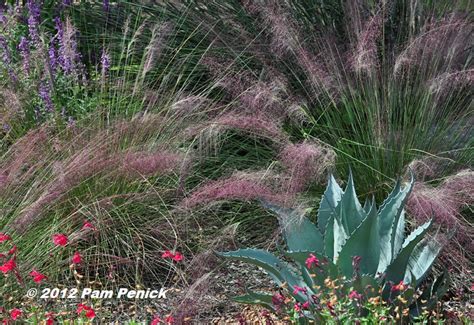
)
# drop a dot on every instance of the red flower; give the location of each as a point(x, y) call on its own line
point(77, 258)
point(354, 295)
point(312, 260)
point(15, 313)
point(155, 320)
point(60, 239)
point(169, 319)
point(167, 254)
point(37, 276)
point(9, 266)
point(4, 237)
point(178, 257)
point(49, 318)
point(88, 225)
point(297, 306)
point(90, 313)
point(81, 307)
point(297, 289)
point(305, 305)
point(399, 287)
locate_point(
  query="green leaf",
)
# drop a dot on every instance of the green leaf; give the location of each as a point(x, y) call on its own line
point(367, 205)
point(421, 260)
point(364, 242)
point(280, 271)
point(399, 234)
point(397, 269)
point(390, 227)
point(349, 211)
point(327, 207)
point(256, 298)
point(334, 239)
point(299, 232)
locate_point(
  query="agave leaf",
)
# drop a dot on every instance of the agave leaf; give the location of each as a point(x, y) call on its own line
point(367, 205)
point(256, 298)
point(327, 207)
point(349, 211)
point(299, 232)
point(399, 234)
point(280, 271)
point(421, 260)
point(393, 193)
point(440, 285)
point(363, 242)
point(431, 294)
point(334, 239)
point(390, 231)
point(397, 269)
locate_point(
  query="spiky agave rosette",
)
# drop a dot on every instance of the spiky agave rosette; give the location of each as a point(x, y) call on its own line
point(364, 244)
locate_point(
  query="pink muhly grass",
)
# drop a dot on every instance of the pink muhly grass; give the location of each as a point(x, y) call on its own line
point(147, 164)
point(305, 162)
point(285, 39)
point(365, 52)
point(81, 166)
point(316, 71)
point(240, 187)
point(446, 81)
point(187, 105)
point(444, 202)
point(25, 155)
point(284, 35)
point(258, 125)
point(441, 42)
point(152, 52)
point(263, 97)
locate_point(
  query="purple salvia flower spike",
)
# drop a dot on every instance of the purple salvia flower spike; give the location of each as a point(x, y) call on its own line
point(106, 5)
point(45, 95)
point(34, 18)
point(24, 48)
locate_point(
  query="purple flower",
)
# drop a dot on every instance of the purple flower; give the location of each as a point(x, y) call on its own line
point(45, 95)
point(6, 58)
point(24, 48)
point(69, 58)
point(53, 57)
point(34, 17)
point(106, 5)
point(3, 19)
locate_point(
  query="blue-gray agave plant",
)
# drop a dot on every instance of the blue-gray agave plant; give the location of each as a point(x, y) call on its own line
point(347, 231)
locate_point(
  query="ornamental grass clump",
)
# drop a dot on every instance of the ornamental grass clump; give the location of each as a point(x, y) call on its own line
point(357, 252)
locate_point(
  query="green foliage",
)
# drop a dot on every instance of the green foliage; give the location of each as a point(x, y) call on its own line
point(365, 247)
